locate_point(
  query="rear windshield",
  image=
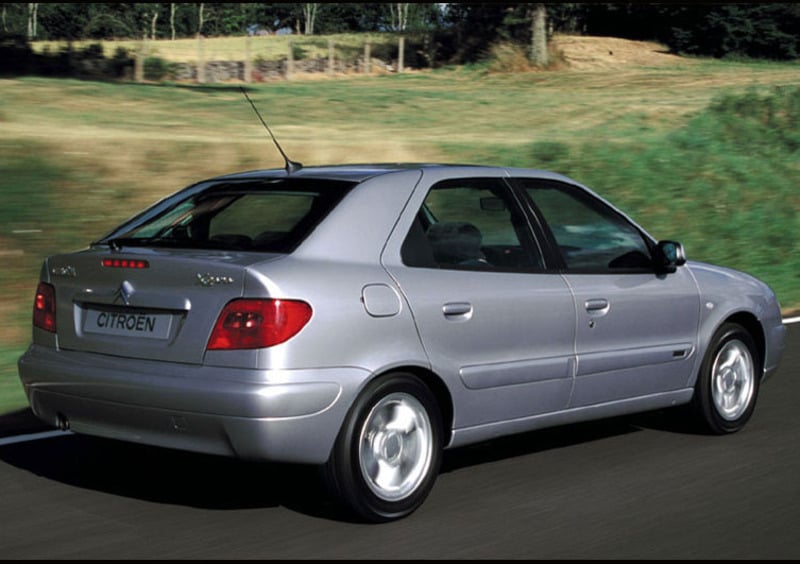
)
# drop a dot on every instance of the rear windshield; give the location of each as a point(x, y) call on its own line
point(268, 216)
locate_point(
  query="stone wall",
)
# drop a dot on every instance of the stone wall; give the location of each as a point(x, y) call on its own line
point(224, 71)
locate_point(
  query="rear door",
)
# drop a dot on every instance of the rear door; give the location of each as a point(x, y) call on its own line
point(494, 321)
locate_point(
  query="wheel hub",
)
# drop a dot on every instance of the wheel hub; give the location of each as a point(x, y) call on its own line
point(396, 447)
point(387, 447)
point(729, 381)
point(733, 380)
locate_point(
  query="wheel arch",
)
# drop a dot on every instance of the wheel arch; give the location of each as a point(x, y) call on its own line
point(436, 385)
point(752, 325)
point(344, 473)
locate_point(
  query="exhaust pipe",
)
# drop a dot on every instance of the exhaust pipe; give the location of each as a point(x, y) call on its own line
point(62, 422)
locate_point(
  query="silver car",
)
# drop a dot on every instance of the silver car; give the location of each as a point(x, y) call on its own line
point(365, 318)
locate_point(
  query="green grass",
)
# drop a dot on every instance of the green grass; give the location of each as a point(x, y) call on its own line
point(724, 183)
point(12, 396)
point(706, 153)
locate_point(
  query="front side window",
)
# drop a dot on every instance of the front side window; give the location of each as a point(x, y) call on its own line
point(268, 216)
point(590, 236)
point(472, 224)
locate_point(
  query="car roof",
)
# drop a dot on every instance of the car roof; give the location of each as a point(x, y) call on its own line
point(360, 172)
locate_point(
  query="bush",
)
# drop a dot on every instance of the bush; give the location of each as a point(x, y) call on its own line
point(508, 57)
point(156, 69)
point(89, 62)
point(121, 64)
point(298, 52)
point(16, 55)
point(756, 122)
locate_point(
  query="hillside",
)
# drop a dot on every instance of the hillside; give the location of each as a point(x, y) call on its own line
point(602, 53)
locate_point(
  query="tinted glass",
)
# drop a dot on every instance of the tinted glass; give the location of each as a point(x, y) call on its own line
point(268, 216)
point(471, 223)
point(590, 235)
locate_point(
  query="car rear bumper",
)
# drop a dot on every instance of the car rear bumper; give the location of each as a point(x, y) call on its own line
point(281, 415)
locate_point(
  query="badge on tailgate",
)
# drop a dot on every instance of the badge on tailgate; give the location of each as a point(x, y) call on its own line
point(128, 324)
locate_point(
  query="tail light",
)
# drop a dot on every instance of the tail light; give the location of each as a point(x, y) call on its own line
point(44, 308)
point(256, 324)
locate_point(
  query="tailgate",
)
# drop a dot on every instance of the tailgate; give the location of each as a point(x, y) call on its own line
point(147, 304)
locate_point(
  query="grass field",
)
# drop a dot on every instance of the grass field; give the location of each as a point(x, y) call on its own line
point(706, 152)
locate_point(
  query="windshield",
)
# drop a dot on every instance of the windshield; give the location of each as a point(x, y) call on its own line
point(267, 216)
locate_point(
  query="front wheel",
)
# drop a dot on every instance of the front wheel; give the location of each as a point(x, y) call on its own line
point(727, 385)
point(388, 453)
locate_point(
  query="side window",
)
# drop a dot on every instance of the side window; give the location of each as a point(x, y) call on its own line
point(473, 224)
point(591, 236)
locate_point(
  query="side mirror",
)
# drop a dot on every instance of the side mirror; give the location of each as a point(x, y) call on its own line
point(669, 255)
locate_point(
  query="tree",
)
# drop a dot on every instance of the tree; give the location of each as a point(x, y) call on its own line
point(539, 35)
point(766, 31)
point(153, 25)
point(310, 10)
point(14, 17)
point(399, 11)
point(200, 17)
point(349, 17)
point(469, 29)
point(172, 9)
point(33, 20)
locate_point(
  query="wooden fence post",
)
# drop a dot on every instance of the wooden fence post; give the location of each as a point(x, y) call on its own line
point(331, 58)
point(367, 58)
point(248, 60)
point(141, 55)
point(201, 60)
point(290, 61)
point(401, 50)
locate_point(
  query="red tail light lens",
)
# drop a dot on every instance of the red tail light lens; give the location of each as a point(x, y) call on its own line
point(256, 324)
point(44, 308)
point(125, 263)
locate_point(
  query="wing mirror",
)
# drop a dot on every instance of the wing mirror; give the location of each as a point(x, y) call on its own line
point(669, 255)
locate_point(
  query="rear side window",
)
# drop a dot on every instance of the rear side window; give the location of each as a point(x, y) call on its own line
point(267, 216)
point(471, 223)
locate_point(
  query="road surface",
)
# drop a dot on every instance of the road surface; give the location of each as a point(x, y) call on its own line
point(628, 488)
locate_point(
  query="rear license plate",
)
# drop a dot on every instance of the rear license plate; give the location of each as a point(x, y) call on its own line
point(128, 324)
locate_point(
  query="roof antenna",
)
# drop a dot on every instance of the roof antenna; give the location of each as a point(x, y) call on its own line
point(291, 166)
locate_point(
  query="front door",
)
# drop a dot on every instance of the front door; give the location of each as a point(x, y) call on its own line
point(636, 328)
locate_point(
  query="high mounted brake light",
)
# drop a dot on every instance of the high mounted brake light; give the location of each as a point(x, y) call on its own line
point(125, 263)
point(44, 308)
point(256, 324)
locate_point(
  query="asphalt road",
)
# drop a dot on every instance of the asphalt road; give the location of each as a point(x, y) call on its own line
point(629, 488)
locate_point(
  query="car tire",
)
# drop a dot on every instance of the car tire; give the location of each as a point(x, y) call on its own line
point(388, 453)
point(728, 383)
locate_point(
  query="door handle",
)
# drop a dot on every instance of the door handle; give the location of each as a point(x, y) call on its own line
point(598, 306)
point(457, 310)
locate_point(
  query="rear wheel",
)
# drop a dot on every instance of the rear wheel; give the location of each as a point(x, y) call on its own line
point(388, 453)
point(727, 386)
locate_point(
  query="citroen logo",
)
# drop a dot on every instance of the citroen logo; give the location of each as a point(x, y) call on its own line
point(124, 293)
